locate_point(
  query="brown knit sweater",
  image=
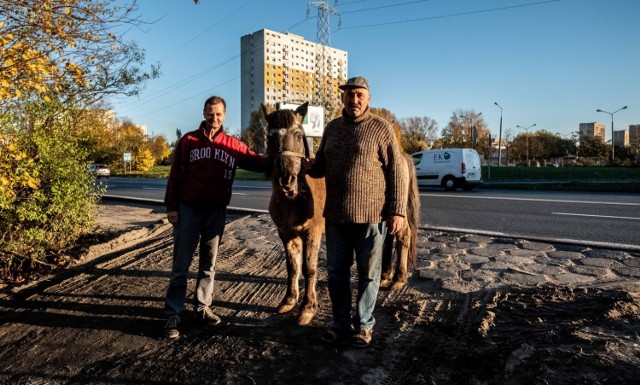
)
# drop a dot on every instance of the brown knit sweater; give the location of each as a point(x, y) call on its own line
point(363, 166)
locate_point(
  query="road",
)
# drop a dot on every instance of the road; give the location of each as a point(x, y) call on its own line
point(595, 219)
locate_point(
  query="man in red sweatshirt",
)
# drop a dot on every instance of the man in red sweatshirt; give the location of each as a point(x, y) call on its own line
point(198, 193)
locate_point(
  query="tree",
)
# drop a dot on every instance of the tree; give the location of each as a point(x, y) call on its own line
point(418, 133)
point(143, 160)
point(178, 137)
point(95, 131)
point(67, 50)
point(592, 147)
point(159, 149)
point(518, 147)
point(255, 136)
point(58, 58)
point(458, 133)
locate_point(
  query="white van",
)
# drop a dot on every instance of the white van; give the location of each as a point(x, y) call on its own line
point(448, 167)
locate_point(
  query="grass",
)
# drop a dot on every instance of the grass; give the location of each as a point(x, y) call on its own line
point(163, 172)
point(588, 179)
point(566, 174)
point(494, 174)
point(612, 179)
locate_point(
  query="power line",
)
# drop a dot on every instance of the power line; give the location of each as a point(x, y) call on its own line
point(206, 30)
point(207, 91)
point(447, 15)
point(194, 77)
point(384, 6)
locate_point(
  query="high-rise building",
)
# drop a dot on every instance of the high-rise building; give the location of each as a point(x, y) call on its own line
point(592, 130)
point(634, 135)
point(621, 138)
point(281, 68)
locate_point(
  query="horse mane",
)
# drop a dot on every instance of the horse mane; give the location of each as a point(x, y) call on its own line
point(280, 119)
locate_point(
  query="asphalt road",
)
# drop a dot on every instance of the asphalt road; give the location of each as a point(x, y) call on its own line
point(595, 219)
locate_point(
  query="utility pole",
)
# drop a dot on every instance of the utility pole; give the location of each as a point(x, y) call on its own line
point(322, 72)
point(499, 136)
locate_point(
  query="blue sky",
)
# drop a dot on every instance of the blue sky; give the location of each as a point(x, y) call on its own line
point(552, 63)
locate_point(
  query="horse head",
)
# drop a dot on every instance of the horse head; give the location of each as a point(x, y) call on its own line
point(286, 146)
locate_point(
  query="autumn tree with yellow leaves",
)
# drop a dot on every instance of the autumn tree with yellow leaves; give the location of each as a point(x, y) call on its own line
point(68, 49)
point(58, 58)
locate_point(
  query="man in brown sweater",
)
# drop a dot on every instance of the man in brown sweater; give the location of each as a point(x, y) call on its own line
point(361, 160)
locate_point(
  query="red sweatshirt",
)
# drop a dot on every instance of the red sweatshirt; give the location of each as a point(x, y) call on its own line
point(203, 170)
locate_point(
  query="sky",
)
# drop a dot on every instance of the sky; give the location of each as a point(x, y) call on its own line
point(551, 63)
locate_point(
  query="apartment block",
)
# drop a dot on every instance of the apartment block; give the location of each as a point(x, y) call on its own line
point(282, 67)
point(595, 130)
point(634, 135)
point(621, 138)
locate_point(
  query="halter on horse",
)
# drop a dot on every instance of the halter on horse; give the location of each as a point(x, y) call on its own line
point(287, 146)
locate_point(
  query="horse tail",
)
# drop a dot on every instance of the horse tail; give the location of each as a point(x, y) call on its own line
point(413, 212)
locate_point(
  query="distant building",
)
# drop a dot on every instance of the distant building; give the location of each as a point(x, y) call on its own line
point(497, 150)
point(281, 68)
point(108, 117)
point(634, 135)
point(592, 130)
point(621, 138)
point(143, 129)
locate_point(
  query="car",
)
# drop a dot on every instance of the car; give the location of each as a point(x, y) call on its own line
point(531, 163)
point(449, 168)
point(100, 170)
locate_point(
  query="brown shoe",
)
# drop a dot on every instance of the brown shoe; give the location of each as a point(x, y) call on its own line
point(362, 338)
point(209, 317)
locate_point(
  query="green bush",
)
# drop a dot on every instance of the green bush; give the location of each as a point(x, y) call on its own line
point(48, 195)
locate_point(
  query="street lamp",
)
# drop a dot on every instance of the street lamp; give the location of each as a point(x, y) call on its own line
point(613, 144)
point(499, 136)
point(527, 130)
point(472, 118)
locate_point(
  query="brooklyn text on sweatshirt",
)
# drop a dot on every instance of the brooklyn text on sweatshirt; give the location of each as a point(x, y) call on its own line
point(203, 169)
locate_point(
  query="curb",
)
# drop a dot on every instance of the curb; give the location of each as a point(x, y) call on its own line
point(241, 210)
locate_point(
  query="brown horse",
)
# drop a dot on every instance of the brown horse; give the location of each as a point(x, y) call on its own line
point(296, 206)
point(395, 277)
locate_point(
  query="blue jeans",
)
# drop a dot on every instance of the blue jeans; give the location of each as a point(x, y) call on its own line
point(194, 227)
point(366, 241)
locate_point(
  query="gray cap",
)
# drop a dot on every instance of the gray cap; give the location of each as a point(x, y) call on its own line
point(357, 82)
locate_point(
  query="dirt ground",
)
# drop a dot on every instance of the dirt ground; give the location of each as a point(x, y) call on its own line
point(100, 322)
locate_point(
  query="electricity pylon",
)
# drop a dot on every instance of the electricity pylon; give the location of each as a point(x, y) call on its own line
point(323, 95)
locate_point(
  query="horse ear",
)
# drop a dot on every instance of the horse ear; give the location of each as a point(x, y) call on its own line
point(302, 110)
point(266, 109)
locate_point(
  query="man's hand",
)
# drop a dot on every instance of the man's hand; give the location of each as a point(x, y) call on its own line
point(395, 223)
point(172, 217)
point(306, 164)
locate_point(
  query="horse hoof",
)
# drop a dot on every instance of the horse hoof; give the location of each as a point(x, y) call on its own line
point(384, 283)
point(284, 308)
point(305, 318)
point(397, 285)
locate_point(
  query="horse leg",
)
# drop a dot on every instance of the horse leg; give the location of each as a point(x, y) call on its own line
point(387, 261)
point(310, 269)
point(403, 239)
point(293, 251)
